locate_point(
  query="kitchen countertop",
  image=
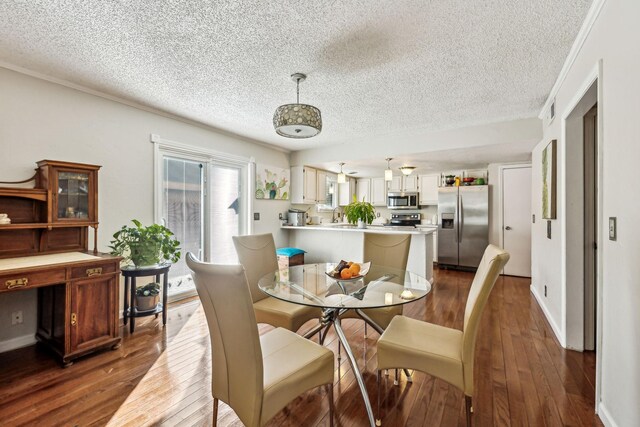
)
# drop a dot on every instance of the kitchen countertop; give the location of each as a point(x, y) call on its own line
point(370, 229)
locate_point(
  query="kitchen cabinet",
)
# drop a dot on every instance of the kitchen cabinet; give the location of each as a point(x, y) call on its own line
point(378, 192)
point(304, 185)
point(404, 183)
point(428, 185)
point(321, 187)
point(346, 191)
point(364, 190)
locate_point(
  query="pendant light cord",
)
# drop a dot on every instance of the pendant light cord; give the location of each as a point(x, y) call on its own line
point(298, 91)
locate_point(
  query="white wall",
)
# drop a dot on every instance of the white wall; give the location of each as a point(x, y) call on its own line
point(613, 39)
point(43, 120)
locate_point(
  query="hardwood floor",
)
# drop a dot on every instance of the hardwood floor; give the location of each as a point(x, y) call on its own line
point(161, 376)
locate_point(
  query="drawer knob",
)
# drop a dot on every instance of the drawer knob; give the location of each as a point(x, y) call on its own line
point(17, 283)
point(94, 271)
point(74, 319)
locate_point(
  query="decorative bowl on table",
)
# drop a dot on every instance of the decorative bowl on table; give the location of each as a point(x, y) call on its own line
point(355, 271)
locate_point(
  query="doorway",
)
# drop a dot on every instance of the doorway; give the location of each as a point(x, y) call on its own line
point(516, 217)
point(590, 120)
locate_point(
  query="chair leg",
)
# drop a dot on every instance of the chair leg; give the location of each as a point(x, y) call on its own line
point(215, 412)
point(365, 330)
point(339, 347)
point(331, 405)
point(396, 381)
point(469, 409)
point(378, 381)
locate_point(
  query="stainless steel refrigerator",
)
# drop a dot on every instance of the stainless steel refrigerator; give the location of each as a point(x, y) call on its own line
point(463, 229)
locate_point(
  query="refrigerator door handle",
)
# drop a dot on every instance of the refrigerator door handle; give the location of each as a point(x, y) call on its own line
point(461, 223)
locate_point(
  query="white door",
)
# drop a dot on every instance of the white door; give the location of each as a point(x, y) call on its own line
point(516, 219)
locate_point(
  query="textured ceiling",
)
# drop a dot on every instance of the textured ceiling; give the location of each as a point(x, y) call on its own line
point(374, 67)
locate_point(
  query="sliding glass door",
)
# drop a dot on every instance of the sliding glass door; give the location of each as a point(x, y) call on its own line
point(203, 201)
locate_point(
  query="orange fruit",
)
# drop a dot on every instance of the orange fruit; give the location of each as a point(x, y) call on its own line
point(355, 269)
point(346, 274)
point(350, 263)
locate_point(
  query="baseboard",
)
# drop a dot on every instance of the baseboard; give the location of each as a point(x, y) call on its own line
point(545, 310)
point(605, 416)
point(17, 342)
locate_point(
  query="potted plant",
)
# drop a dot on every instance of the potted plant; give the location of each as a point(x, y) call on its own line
point(147, 296)
point(145, 246)
point(361, 213)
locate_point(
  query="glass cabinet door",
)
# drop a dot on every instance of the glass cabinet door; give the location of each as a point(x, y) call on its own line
point(73, 195)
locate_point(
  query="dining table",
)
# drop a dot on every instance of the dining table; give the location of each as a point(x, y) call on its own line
point(314, 285)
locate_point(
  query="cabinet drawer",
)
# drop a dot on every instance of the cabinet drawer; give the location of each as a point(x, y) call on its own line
point(16, 281)
point(92, 270)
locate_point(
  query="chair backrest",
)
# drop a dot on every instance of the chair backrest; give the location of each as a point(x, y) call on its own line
point(237, 370)
point(492, 263)
point(257, 254)
point(391, 250)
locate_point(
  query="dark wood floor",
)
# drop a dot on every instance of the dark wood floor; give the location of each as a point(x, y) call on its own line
point(161, 376)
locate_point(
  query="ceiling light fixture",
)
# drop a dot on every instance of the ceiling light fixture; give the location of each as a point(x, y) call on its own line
point(297, 120)
point(388, 173)
point(342, 178)
point(406, 170)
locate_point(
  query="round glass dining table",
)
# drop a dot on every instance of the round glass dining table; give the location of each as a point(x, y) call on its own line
point(310, 285)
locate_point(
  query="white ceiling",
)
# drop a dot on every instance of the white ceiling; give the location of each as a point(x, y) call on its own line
point(374, 67)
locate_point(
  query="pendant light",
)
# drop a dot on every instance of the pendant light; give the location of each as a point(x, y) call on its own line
point(342, 178)
point(406, 170)
point(388, 173)
point(297, 120)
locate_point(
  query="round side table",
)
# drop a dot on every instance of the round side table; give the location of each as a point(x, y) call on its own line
point(130, 311)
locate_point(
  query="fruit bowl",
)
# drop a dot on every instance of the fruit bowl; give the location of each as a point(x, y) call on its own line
point(364, 269)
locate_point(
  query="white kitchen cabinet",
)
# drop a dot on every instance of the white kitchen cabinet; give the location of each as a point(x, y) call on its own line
point(378, 192)
point(364, 190)
point(346, 191)
point(396, 183)
point(428, 185)
point(304, 186)
point(410, 183)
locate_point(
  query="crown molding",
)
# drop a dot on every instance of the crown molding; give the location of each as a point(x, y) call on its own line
point(585, 29)
point(136, 105)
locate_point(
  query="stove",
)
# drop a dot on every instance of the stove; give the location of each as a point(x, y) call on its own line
point(404, 220)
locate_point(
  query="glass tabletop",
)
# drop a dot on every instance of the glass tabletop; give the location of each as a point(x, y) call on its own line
point(309, 285)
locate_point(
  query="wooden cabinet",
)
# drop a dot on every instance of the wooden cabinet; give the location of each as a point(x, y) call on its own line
point(346, 191)
point(304, 186)
point(428, 186)
point(378, 192)
point(364, 190)
point(46, 243)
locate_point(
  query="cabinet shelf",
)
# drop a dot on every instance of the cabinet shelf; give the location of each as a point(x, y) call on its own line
point(38, 194)
point(49, 225)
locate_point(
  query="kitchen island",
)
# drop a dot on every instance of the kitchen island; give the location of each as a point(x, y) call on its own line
point(333, 242)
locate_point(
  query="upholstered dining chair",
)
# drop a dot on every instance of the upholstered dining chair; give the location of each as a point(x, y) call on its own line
point(391, 250)
point(439, 351)
point(257, 254)
point(255, 375)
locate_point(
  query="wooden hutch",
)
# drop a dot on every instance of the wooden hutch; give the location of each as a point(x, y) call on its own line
point(46, 247)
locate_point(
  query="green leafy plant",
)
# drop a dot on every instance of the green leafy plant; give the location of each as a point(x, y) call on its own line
point(144, 246)
point(359, 210)
point(150, 289)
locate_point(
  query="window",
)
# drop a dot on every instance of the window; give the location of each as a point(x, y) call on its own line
point(202, 197)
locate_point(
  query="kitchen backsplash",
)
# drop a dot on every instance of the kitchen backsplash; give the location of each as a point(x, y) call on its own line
point(427, 212)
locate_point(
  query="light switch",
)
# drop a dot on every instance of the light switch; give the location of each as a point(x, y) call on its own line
point(613, 228)
point(548, 229)
point(256, 216)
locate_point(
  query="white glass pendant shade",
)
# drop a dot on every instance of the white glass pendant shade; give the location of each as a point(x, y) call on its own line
point(388, 175)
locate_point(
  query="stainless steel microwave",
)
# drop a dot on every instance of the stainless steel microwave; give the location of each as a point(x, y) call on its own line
point(403, 200)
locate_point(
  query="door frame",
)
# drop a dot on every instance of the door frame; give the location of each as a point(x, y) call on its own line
point(571, 336)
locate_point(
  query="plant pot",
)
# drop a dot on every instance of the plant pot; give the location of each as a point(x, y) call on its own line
point(362, 224)
point(145, 254)
point(146, 303)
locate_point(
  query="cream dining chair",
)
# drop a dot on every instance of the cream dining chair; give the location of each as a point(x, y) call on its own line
point(255, 375)
point(439, 351)
point(391, 250)
point(257, 253)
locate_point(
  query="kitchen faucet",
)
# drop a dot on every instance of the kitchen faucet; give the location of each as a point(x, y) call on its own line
point(333, 215)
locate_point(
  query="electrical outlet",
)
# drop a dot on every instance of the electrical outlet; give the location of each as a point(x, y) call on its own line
point(545, 291)
point(256, 216)
point(613, 228)
point(548, 229)
point(16, 317)
point(280, 217)
point(533, 218)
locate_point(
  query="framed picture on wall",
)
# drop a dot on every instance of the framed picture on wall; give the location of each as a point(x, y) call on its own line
point(549, 167)
point(272, 182)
